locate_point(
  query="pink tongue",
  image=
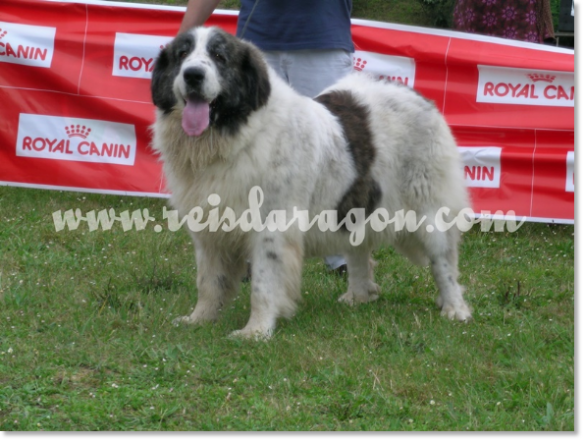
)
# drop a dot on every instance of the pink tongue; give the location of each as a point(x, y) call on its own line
point(195, 117)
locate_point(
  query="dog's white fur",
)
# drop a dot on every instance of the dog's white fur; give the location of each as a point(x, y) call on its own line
point(296, 151)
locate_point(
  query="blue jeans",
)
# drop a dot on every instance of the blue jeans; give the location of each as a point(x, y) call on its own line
point(310, 71)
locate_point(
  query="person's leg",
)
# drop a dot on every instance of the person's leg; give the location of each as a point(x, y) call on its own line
point(336, 262)
point(311, 71)
point(276, 60)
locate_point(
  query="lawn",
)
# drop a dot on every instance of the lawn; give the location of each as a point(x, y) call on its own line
point(86, 340)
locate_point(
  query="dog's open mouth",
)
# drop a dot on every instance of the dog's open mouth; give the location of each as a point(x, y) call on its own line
point(196, 116)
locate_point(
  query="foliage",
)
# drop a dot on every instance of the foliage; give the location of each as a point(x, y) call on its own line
point(436, 13)
point(439, 13)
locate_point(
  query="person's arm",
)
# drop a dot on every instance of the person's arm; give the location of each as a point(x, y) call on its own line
point(197, 12)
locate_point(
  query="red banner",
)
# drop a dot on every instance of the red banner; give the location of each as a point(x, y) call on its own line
point(76, 109)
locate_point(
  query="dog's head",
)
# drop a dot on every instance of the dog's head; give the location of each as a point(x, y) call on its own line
point(213, 78)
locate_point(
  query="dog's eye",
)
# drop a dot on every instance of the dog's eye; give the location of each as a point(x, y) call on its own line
point(183, 54)
point(219, 57)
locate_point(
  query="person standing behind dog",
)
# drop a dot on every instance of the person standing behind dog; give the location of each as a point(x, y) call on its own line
point(307, 42)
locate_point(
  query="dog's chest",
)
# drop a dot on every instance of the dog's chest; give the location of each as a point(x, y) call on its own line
point(221, 187)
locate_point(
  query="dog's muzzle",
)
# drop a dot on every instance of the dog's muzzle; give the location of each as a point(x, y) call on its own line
point(194, 77)
point(196, 112)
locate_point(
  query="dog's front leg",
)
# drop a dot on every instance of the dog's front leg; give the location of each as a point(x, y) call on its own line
point(276, 278)
point(218, 279)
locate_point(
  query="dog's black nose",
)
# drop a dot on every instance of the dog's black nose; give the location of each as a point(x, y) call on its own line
point(193, 76)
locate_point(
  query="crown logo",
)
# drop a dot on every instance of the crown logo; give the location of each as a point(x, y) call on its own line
point(77, 130)
point(3, 32)
point(541, 77)
point(359, 64)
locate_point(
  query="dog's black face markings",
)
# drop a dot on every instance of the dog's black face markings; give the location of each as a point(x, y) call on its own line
point(245, 86)
point(244, 81)
point(166, 68)
point(365, 192)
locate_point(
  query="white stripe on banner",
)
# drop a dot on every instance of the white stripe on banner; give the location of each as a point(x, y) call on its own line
point(386, 67)
point(75, 139)
point(134, 54)
point(570, 181)
point(525, 86)
point(26, 44)
point(482, 166)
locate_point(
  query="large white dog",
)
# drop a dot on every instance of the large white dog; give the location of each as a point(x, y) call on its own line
point(226, 123)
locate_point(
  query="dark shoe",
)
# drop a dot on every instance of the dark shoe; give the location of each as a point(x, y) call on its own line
point(248, 276)
point(341, 270)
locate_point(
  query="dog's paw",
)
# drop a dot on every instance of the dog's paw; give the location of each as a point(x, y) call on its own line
point(346, 298)
point(374, 289)
point(461, 311)
point(351, 298)
point(256, 335)
point(187, 320)
point(180, 320)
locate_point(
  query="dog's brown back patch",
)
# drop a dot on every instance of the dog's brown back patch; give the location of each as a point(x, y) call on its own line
point(353, 116)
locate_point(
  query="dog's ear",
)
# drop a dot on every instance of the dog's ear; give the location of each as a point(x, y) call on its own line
point(256, 81)
point(163, 77)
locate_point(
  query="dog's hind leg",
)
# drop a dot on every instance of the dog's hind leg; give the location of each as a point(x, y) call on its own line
point(360, 270)
point(218, 281)
point(276, 283)
point(442, 251)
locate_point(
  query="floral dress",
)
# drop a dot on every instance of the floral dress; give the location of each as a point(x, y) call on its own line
point(528, 20)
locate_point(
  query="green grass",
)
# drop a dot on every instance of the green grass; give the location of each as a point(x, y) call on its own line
point(396, 11)
point(86, 341)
